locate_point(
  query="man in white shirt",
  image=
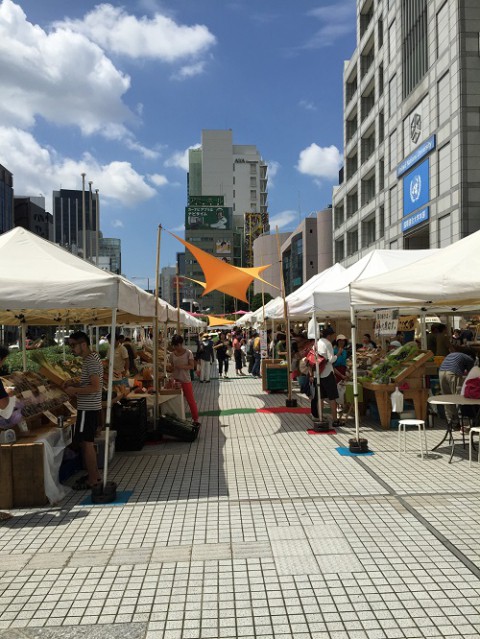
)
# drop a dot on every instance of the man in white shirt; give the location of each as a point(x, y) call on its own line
point(328, 384)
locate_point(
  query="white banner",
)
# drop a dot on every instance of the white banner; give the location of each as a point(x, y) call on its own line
point(386, 323)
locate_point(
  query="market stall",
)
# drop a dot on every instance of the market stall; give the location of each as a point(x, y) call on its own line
point(42, 283)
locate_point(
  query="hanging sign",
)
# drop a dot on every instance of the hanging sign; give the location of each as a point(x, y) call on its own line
point(407, 323)
point(386, 322)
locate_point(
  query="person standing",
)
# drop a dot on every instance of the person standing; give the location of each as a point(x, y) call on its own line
point(328, 385)
point(205, 357)
point(181, 363)
point(120, 359)
point(450, 375)
point(88, 392)
point(237, 353)
point(223, 358)
point(257, 355)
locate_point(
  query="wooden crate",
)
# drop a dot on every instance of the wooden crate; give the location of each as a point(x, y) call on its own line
point(28, 487)
point(6, 479)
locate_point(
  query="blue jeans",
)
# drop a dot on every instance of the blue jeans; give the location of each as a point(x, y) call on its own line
point(256, 364)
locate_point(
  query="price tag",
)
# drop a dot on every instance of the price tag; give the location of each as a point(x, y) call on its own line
point(27, 394)
point(42, 389)
point(70, 408)
point(50, 416)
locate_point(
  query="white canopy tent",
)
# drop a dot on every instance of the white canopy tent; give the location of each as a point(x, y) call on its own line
point(41, 283)
point(446, 278)
point(335, 300)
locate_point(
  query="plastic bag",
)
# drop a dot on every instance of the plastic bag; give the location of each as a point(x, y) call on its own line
point(397, 401)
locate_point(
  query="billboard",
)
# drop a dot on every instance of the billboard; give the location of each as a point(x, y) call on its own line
point(223, 247)
point(206, 200)
point(416, 188)
point(208, 217)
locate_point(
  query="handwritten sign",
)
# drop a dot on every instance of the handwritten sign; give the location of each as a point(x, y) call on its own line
point(70, 408)
point(27, 394)
point(407, 323)
point(386, 322)
point(50, 416)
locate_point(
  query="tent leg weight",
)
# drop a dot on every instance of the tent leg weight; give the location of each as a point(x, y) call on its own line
point(104, 494)
point(321, 426)
point(291, 403)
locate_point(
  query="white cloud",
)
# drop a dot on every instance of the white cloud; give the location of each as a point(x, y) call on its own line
point(189, 71)
point(179, 159)
point(179, 228)
point(61, 76)
point(159, 38)
point(308, 105)
point(337, 20)
point(320, 162)
point(158, 180)
point(46, 170)
point(282, 219)
point(272, 169)
point(117, 224)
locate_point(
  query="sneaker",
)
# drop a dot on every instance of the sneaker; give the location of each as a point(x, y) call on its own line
point(196, 424)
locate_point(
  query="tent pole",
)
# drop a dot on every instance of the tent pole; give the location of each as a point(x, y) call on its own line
point(290, 402)
point(24, 347)
point(165, 352)
point(317, 370)
point(353, 320)
point(84, 219)
point(109, 395)
point(155, 329)
point(178, 301)
point(423, 330)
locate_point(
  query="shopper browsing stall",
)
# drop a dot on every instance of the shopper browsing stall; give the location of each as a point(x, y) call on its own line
point(328, 385)
point(181, 363)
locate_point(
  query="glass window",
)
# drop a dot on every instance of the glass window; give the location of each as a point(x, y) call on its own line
point(444, 231)
point(444, 169)
point(443, 99)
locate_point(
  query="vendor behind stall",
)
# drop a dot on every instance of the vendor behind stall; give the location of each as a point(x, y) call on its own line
point(120, 360)
point(88, 392)
point(5, 403)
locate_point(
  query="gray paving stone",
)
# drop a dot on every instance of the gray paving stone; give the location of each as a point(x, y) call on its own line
point(112, 631)
point(49, 560)
point(208, 552)
point(171, 553)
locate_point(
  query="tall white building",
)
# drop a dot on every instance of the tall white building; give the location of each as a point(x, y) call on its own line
point(227, 185)
point(411, 176)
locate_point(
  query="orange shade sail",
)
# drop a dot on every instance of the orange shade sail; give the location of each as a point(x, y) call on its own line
point(223, 277)
point(218, 321)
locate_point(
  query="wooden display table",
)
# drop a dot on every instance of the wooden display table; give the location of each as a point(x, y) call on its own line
point(411, 373)
point(169, 401)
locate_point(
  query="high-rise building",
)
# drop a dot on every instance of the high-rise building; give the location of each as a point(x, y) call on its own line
point(30, 213)
point(227, 192)
point(110, 254)
point(68, 222)
point(167, 283)
point(6, 200)
point(411, 172)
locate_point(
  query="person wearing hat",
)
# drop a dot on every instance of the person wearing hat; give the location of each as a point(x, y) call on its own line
point(394, 344)
point(205, 357)
point(340, 364)
point(328, 384)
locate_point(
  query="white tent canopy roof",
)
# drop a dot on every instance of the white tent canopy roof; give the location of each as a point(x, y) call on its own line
point(41, 283)
point(446, 278)
point(336, 301)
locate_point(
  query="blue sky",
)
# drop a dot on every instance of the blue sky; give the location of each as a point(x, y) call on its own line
point(122, 90)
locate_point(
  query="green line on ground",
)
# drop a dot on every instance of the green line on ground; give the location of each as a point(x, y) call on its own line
point(229, 411)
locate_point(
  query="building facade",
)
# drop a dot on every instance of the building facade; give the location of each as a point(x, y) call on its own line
point(411, 175)
point(6, 200)
point(68, 222)
point(265, 251)
point(167, 284)
point(110, 254)
point(227, 207)
point(29, 212)
point(300, 255)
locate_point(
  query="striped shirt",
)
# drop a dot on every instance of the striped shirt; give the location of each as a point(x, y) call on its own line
point(457, 363)
point(91, 366)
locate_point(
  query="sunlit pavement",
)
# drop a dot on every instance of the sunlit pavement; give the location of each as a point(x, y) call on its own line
point(256, 530)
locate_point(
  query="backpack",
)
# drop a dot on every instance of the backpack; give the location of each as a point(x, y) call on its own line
point(472, 388)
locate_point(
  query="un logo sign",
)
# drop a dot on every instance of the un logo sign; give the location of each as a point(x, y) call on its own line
point(415, 188)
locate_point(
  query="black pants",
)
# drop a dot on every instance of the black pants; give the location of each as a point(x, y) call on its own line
point(238, 359)
point(222, 365)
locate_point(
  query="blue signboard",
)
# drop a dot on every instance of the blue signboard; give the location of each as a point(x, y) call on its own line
point(419, 153)
point(416, 188)
point(415, 218)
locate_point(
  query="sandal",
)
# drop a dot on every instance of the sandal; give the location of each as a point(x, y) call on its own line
point(337, 424)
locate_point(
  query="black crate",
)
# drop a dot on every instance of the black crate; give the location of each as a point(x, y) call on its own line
point(129, 419)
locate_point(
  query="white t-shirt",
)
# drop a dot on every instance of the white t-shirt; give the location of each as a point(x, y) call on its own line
point(325, 348)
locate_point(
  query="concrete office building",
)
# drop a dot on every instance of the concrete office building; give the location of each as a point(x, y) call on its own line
point(6, 200)
point(411, 176)
point(226, 183)
point(68, 222)
point(265, 251)
point(110, 254)
point(167, 283)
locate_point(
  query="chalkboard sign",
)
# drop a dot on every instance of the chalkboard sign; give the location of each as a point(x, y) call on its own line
point(276, 378)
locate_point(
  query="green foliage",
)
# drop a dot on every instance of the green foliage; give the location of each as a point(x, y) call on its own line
point(257, 300)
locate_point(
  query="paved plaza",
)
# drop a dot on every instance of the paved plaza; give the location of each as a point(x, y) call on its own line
point(256, 530)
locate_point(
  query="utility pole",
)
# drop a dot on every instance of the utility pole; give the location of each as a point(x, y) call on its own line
point(84, 221)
